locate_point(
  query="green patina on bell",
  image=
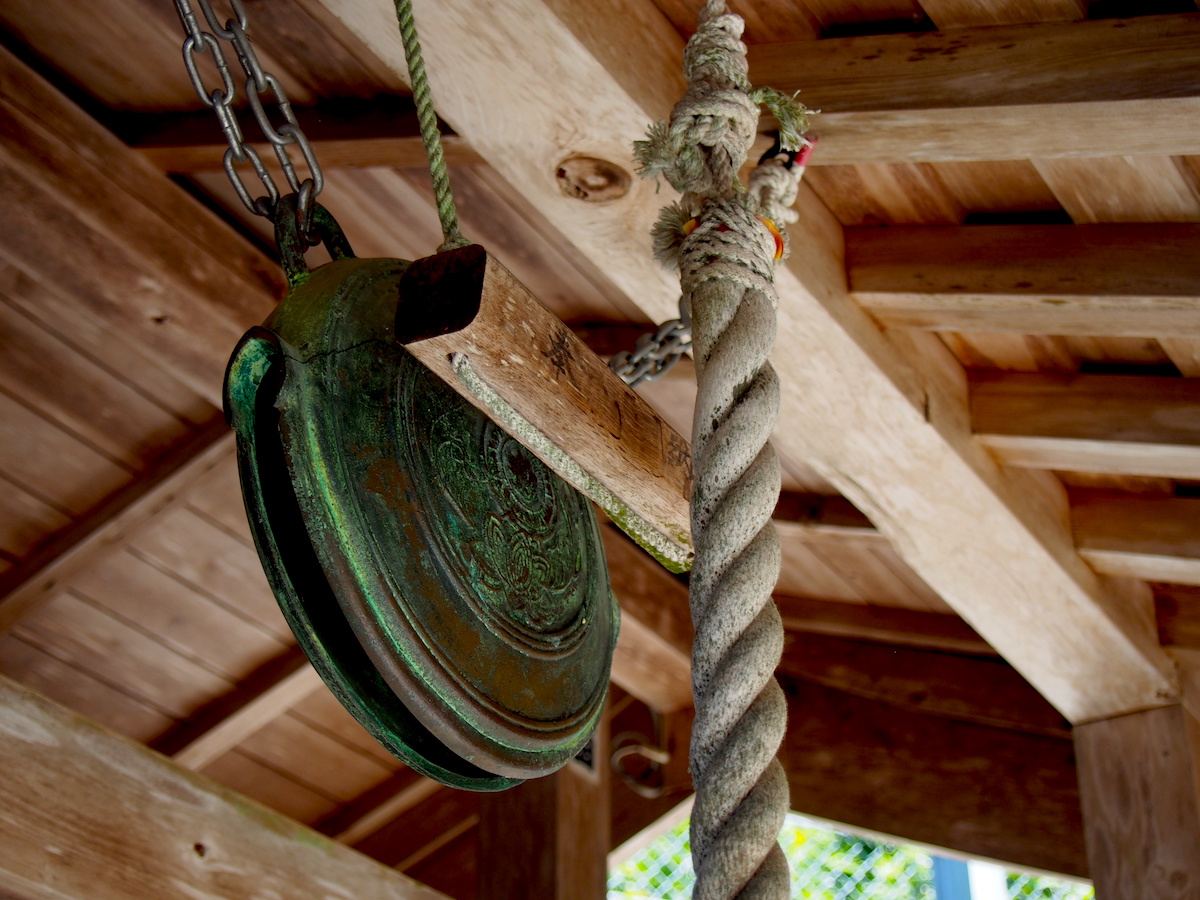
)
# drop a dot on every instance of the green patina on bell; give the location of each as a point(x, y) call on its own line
point(450, 589)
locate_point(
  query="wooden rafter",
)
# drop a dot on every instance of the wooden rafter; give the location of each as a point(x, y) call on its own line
point(957, 519)
point(1115, 280)
point(1011, 92)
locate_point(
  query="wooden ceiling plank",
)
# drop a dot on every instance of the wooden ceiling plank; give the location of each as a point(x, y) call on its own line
point(81, 691)
point(123, 822)
point(73, 629)
point(227, 721)
point(1152, 538)
point(1077, 638)
point(94, 220)
point(1138, 280)
point(112, 525)
point(220, 565)
point(1118, 424)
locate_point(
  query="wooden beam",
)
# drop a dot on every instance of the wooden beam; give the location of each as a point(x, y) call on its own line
point(1115, 424)
point(344, 133)
point(93, 816)
point(114, 523)
point(1008, 92)
point(1153, 538)
point(881, 625)
point(1116, 280)
point(223, 724)
point(984, 791)
point(955, 516)
point(653, 657)
point(559, 849)
point(1139, 778)
point(986, 691)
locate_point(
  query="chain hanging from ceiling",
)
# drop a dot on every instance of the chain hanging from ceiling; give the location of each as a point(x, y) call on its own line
point(259, 84)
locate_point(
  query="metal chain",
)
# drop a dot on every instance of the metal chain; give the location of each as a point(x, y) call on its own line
point(656, 351)
point(258, 83)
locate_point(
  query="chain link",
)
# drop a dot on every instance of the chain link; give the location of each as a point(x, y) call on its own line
point(259, 82)
point(657, 351)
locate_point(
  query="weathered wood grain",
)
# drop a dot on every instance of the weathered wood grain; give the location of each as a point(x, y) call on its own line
point(984, 691)
point(112, 524)
point(92, 815)
point(465, 305)
point(1023, 91)
point(1120, 280)
point(1132, 425)
point(984, 791)
point(1139, 780)
point(1153, 538)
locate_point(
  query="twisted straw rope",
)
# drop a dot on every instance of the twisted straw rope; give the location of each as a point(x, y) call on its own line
point(727, 271)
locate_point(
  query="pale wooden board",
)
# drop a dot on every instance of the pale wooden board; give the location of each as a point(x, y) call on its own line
point(291, 747)
point(81, 691)
point(1154, 538)
point(1124, 188)
point(1135, 280)
point(178, 616)
point(1009, 186)
point(1104, 423)
point(72, 629)
point(221, 566)
point(1132, 189)
point(89, 814)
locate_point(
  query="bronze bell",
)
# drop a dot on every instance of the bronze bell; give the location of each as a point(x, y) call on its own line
point(449, 588)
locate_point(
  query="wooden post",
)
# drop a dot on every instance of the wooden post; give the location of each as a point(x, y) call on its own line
point(1139, 780)
point(549, 837)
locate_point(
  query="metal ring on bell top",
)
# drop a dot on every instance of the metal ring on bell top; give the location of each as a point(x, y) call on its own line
point(450, 589)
